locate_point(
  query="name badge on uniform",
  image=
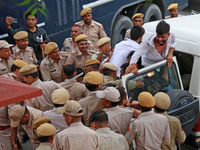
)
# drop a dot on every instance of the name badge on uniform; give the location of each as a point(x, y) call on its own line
point(51, 66)
point(79, 58)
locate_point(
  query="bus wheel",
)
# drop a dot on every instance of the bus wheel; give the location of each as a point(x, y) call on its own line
point(122, 23)
point(151, 12)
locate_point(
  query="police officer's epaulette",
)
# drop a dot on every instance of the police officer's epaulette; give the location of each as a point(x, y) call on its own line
point(97, 23)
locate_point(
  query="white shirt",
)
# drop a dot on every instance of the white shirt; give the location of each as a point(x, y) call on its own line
point(149, 53)
point(121, 52)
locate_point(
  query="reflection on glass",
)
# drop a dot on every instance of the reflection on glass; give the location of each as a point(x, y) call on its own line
point(161, 79)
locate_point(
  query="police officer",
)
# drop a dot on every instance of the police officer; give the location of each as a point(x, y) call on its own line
point(104, 54)
point(108, 139)
point(137, 21)
point(76, 136)
point(91, 103)
point(31, 76)
point(78, 58)
point(70, 45)
point(5, 57)
point(25, 116)
point(110, 74)
point(119, 118)
point(173, 10)
point(45, 134)
point(59, 98)
point(21, 50)
point(52, 65)
point(76, 90)
point(176, 132)
point(91, 28)
point(92, 65)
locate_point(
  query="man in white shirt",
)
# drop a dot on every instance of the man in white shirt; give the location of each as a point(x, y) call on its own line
point(155, 48)
point(123, 48)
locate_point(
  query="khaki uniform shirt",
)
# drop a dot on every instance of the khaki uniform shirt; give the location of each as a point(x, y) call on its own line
point(96, 54)
point(43, 102)
point(176, 133)
point(76, 137)
point(109, 79)
point(76, 89)
point(94, 32)
point(119, 119)
point(58, 120)
point(68, 46)
point(90, 104)
point(5, 135)
point(109, 140)
point(44, 146)
point(148, 130)
point(78, 59)
point(5, 65)
point(52, 70)
point(34, 115)
point(28, 55)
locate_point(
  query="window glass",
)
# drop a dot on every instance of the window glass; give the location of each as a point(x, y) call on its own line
point(160, 79)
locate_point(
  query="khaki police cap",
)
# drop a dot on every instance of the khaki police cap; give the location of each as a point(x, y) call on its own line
point(85, 11)
point(81, 37)
point(110, 66)
point(173, 6)
point(19, 63)
point(91, 62)
point(93, 77)
point(103, 41)
point(145, 99)
point(40, 121)
point(16, 113)
point(46, 129)
point(73, 108)
point(138, 15)
point(21, 35)
point(28, 69)
point(162, 100)
point(109, 93)
point(50, 47)
point(4, 44)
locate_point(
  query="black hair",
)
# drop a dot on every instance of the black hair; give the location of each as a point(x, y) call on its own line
point(69, 70)
point(34, 75)
point(159, 110)
point(94, 66)
point(109, 85)
point(107, 72)
point(30, 13)
point(91, 87)
point(122, 92)
point(14, 68)
point(58, 105)
point(99, 116)
point(130, 54)
point(145, 109)
point(162, 28)
point(137, 32)
point(115, 103)
point(124, 66)
point(79, 70)
point(43, 139)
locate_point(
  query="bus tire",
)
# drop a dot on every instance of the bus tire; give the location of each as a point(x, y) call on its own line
point(151, 12)
point(122, 23)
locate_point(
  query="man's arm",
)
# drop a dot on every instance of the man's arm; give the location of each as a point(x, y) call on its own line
point(45, 72)
point(170, 56)
point(14, 138)
point(10, 30)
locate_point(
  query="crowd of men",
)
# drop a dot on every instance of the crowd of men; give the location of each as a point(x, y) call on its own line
point(83, 104)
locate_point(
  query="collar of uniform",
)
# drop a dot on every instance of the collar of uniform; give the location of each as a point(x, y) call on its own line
point(109, 78)
point(103, 130)
point(18, 49)
point(145, 114)
point(91, 25)
point(76, 124)
point(45, 144)
point(36, 82)
point(80, 53)
point(113, 108)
